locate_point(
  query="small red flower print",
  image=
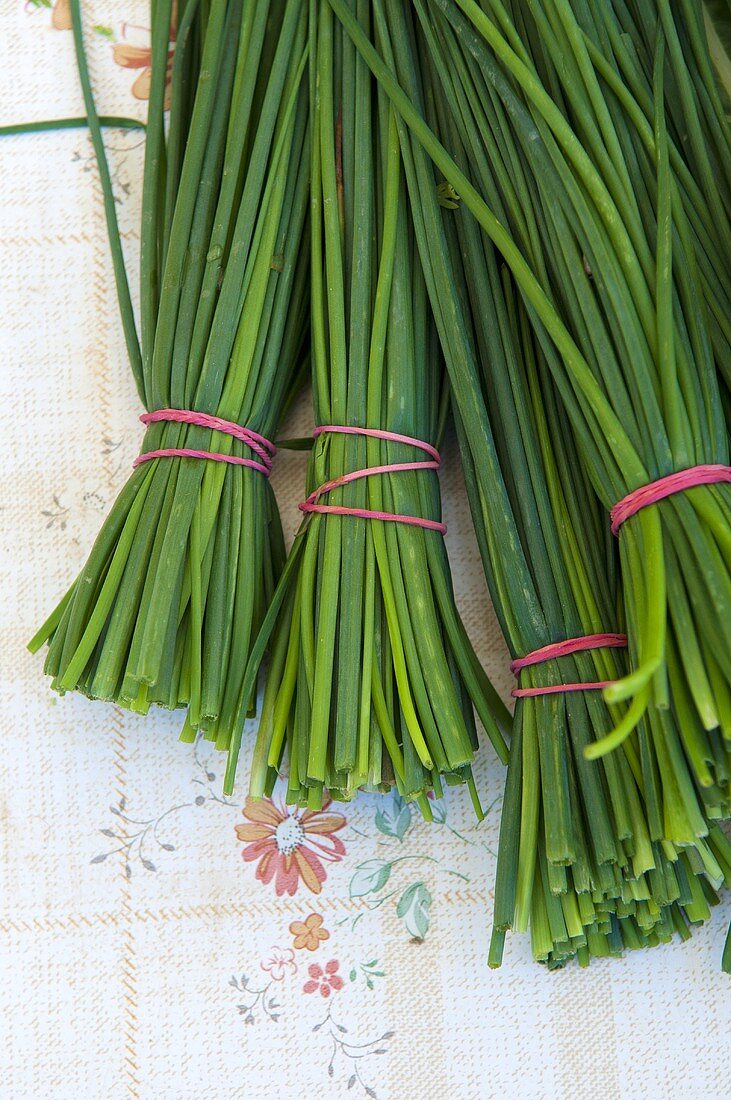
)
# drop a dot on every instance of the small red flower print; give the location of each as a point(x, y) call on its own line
point(325, 980)
point(281, 961)
point(308, 933)
point(290, 847)
point(135, 52)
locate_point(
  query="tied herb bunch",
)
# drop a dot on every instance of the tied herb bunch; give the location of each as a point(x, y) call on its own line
point(170, 600)
point(651, 791)
point(372, 679)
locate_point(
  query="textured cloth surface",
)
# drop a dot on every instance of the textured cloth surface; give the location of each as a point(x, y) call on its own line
point(140, 954)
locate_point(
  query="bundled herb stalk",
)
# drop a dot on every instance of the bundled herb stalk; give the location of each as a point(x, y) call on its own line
point(591, 858)
point(167, 607)
point(585, 856)
point(594, 856)
point(635, 368)
point(676, 811)
point(371, 679)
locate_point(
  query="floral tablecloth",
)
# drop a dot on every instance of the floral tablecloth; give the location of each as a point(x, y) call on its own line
point(154, 944)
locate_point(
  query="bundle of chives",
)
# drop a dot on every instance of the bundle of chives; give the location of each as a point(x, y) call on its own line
point(636, 373)
point(610, 863)
point(676, 857)
point(177, 583)
point(636, 370)
point(371, 678)
point(673, 808)
point(581, 858)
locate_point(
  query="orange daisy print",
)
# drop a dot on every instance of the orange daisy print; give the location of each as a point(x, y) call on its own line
point(135, 52)
point(290, 847)
point(61, 16)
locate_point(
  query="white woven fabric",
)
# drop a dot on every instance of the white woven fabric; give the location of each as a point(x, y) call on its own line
point(140, 956)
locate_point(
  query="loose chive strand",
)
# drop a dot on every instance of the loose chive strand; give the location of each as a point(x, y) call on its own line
point(115, 243)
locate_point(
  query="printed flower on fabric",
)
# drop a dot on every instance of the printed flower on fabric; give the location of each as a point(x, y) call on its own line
point(281, 961)
point(290, 847)
point(134, 52)
point(308, 933)
point(61, 16)
point(60, 12)
point(325, 980)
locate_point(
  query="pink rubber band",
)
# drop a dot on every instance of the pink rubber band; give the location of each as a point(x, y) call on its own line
point(555, 689)
point(312, 503)
point(666, 487)
point(563, 649)
point(379, 433)
point(570, 645)
point(262, 447)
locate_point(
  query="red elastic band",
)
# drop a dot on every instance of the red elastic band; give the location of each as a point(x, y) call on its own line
point(556, 689)
point(570, 645)
point(563, 649)
point(666, 487)
point(379, 433)
point(312, 503)
point(262, 447)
